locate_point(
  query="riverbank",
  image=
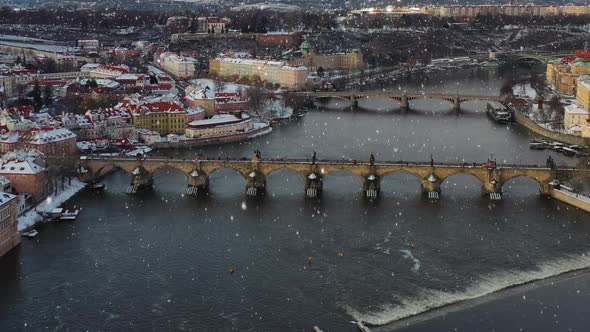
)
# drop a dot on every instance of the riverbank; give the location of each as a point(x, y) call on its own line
point(568, 196)
point(524, 121)
point(32, 217)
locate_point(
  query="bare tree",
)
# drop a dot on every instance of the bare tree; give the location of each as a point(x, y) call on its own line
point(256, 98)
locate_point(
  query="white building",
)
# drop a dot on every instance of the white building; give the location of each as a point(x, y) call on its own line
point(179, 66)
point(575, 119)
point(212, 24)
point(219, 126)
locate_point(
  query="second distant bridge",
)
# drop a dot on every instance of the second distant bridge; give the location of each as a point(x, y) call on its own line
point(403, 98)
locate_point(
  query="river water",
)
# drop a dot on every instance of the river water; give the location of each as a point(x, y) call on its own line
point(161, 261)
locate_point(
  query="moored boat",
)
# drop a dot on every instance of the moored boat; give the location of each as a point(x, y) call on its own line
point(498, 112)
point(33, 233)
point(537, 146)
point(568, 151)
point(69, 215)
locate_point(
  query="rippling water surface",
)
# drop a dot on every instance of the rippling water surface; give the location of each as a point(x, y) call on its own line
point(161, 261)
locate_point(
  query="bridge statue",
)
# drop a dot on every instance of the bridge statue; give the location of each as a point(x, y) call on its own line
point(430, 175)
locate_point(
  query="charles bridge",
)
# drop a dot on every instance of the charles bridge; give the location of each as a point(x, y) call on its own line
point(403, 98)
point(255, 171)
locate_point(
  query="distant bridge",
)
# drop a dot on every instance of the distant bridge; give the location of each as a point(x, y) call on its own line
point(526, 55)
point(256, 170)
point(403, 98)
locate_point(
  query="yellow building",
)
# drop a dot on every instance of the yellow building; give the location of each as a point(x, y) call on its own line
point(577, 117)
point(339, 61)
point(552, 67)
point(564, 76)
point(278, 72)
point(9, 236)
point(162, 117)
point(583, 91)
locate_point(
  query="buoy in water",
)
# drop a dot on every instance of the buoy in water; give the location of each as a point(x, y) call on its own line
point(309, 259)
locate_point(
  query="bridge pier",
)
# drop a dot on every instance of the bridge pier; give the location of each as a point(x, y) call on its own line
point(431, 186)
point(198, 182)
point(372, 187)
point(255, 184)
point(546, 189)
point(141, 180)
point(493, 189)
point(354, 104)
point(85, 175)
point(314, 184)
point(456, 104)
point(404, 104)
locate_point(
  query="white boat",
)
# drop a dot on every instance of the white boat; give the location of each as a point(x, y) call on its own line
point(69, 215)
point(96, 185)
point(31, 234)
point(568, 151)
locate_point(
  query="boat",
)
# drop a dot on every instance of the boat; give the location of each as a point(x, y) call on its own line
point(537, 146)
point(56, 213)
point(69, 215)
point(30, 234)
point(557, 146)
point(96, 185)
point(568, 151)
point(488, 64)
point(498, 112)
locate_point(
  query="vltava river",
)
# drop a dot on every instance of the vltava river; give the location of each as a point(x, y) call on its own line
point(160, 261)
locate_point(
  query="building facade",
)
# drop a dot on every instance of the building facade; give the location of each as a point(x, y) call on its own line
point(576, 120)
point(26, 172)
point(9, 236)
point(276, 72)
point(164, 117)
point(212, 24)
point(179, 66)
point(350, 61)
point(562, 74)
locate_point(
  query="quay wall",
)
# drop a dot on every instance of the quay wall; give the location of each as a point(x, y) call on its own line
point(570, 199)
point(535, 128)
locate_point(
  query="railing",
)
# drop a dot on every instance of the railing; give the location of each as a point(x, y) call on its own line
point(330, 162)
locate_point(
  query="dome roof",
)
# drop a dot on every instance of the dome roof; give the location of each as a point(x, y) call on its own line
point(306, 45)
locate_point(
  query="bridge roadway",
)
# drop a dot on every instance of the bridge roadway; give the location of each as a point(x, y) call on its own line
point(403, 98)
point(256, 170)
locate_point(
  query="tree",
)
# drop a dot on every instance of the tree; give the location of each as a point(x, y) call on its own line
point(557, 111)
point(91, 84)
point(256, 98)
point(36, 94)
point(153, 80)
point(48, 96)
point(321, 71)
point(507, 88)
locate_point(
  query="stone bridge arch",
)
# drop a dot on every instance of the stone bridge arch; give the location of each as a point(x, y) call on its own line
point(543, 180)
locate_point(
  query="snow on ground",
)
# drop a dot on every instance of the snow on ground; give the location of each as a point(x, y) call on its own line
point(31, 217)
point(525, 90)
point(276, 109)
point(226, 87)
point(568, 191)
